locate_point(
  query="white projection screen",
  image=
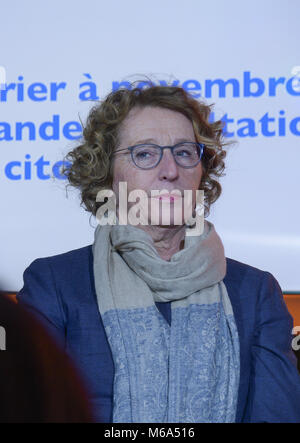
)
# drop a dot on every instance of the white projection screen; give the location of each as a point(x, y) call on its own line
point(58, 57)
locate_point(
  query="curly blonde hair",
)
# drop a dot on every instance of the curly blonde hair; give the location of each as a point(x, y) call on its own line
point(90, 165)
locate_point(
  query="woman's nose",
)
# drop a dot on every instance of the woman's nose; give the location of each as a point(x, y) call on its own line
point(168, 169)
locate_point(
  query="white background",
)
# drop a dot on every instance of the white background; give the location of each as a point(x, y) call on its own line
point(258, 214)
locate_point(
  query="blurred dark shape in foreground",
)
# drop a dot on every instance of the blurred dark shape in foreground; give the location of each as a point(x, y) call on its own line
point(38, 382)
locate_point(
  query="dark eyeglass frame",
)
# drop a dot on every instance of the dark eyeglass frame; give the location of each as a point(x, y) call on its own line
point(131, 149)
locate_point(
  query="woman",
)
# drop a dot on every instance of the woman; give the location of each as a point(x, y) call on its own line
point(162, 325)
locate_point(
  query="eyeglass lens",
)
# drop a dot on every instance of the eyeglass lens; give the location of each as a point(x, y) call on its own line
point(148, 156)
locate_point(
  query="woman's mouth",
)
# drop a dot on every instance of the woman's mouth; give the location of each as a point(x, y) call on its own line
point(167, 197)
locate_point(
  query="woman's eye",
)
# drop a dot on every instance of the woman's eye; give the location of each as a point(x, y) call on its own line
point(144, 154)
point(183, 153)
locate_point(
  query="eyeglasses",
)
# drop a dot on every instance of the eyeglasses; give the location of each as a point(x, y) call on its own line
point(148, 156)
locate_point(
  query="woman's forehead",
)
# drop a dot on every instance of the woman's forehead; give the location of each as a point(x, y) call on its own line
point(146, 124)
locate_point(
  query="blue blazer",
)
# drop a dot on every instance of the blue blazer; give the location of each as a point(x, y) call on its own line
point(60, 291)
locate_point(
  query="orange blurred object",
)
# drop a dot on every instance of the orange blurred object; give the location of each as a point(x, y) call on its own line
point(293, 304)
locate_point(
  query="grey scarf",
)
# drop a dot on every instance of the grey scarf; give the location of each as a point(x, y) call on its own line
point(184, 372)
